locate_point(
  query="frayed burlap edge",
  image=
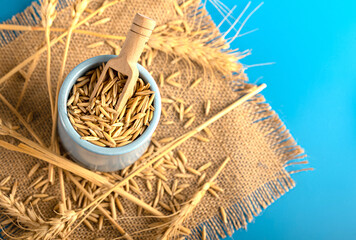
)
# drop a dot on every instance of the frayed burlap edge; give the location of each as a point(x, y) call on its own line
point(239, 215)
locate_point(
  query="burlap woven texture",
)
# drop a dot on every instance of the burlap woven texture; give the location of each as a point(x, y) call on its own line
point(252, 135)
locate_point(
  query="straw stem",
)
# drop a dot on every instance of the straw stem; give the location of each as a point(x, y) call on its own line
point(54, 41)
point(22, 120)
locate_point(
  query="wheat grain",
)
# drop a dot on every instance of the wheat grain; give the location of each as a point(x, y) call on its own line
point(174, 84)
point(37, 180)
point(5, 188)
point(48, 198)
point(189, 115)
point(161, 80)
point(167, 100)
point(167, 189)
point(88, 225)
point(212, 192)
point(29, 117)
point(189, 122)
point(101, 222)
point(168, 123)
point(223, 215)
point(182, 157)
point(27, 201)
point(204, 167)
point(98, 114)
point(183, 175)
point(201, 138)
point(113, 207)
point(14, 188)
point(203, 233)
point(192, 170)
point(92, 219)
point(33, 170)
point(208, 132)
point(195, 83)
point(166, 140)
point(181, 112)
point(216, 188)
point(176, 204)
point(165, 206)
point(101, 21)
point(180, 197)
point(40, 184)
point(40, 195)
point(176, 223)
point(181, 167)
point(44, 188)
point(5, 180)
point(201, 179)
point(35, 202)
point(96, 44)
point(188, 109)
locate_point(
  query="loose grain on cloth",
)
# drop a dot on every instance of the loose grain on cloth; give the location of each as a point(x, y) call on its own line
point(252, 135)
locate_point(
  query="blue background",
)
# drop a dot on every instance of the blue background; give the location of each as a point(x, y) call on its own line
point(312, 86)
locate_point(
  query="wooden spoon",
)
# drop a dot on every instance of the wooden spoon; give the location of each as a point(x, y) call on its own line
point(126, 62)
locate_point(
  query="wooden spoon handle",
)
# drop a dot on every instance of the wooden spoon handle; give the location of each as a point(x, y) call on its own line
point(136, 38)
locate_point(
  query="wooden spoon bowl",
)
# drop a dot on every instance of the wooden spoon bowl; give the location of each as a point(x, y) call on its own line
point(126, 62)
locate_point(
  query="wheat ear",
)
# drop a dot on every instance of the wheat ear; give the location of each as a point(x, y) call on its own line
point(54, 41)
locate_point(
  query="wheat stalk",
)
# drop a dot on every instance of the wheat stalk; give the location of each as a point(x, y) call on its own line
point(31, 69)
point(54, 41)
point(204, 47)
point(15, 27)
point(48, 12)
point(42, 153)
point(169, 147)
point(184, 40)
point(78, 9)
point(177, 220)
point(37, 151)
point(21, 119)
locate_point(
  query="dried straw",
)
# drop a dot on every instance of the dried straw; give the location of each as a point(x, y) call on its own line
point(54, 41)
point(48, 12)
point(21, 119)
point(78, 8)
point(15, 27)
point(166, 149)
point(177, 220)
point(32, 223)
point(213, 56)
point(101, 209)
point(31, 69)
point(50, 157)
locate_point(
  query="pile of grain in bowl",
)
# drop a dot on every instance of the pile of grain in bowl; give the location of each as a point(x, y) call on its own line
point(93, 120)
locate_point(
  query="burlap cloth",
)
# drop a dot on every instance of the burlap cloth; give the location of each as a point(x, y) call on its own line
point(252, 135)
